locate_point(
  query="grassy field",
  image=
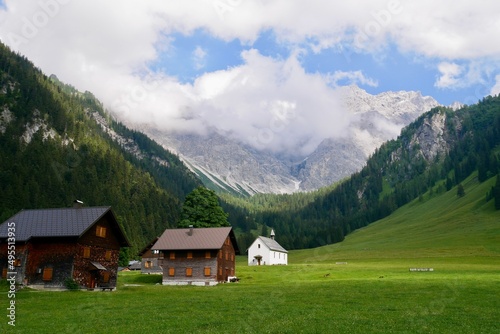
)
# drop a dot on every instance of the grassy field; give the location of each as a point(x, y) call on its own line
point(362, 285)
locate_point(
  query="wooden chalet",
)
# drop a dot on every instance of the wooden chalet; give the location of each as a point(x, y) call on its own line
point(54, 245)
point(150, 260)
point(197, 256)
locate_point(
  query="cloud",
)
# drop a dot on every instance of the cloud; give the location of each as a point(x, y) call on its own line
point(450, 73)
point(199, 55)
point(353, 77)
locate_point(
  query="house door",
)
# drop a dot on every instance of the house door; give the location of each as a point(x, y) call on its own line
point(93, 279)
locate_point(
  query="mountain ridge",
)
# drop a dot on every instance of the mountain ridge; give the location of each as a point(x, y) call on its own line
point(226, 164)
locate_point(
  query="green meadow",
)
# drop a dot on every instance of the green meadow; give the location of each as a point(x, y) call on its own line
point(362, 285)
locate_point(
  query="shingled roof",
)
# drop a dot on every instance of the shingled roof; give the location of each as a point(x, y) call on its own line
point(272, 244)
point(195, 238)
point(65, 222)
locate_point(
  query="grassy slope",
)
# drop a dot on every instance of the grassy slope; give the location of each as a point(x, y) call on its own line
point(444, 225)
point(373, 293)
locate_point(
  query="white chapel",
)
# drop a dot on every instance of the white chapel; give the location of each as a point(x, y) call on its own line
point(267, 251)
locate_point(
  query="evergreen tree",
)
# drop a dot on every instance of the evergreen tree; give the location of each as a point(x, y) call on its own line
point(460, 190)
point(201, 209)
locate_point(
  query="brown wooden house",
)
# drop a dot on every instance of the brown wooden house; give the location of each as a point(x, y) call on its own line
point(151, 259)
point(197, 256)
point(54, 245)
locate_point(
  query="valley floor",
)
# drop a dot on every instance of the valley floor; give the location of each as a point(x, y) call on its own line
point(460, 295)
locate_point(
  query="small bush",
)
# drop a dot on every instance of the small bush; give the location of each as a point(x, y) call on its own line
point(71, 284)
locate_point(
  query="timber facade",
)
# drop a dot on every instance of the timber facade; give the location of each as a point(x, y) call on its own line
point(197, 256)
point(56, 246)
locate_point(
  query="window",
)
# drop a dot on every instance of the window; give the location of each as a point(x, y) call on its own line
point(189, 272)
point(232, 257)
point(258, 245)
point(108, 255)
point(207, 255)
point(189, 255)
point(171, 272)
point(207, 271)
point(86, 252)
point(172, 255)
point(227, 256)
point(17, 262)
point(100, 231)
point(220, 255)
point(148, 265)
point(47, 274)
point(220, 271)
point(105, 277)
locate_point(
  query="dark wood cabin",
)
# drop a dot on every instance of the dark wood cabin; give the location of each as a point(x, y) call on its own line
point(54, 246)
point(151, 259)
point(197, 256)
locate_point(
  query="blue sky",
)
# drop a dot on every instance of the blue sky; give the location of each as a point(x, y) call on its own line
point(251, 67)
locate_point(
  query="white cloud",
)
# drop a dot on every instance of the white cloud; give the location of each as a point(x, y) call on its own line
point(354, 77)
point(199, 55)
point(270, 104)
point(450, 73)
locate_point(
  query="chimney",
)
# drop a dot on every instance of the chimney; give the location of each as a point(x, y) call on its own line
point(272, 234)
point(190, 232)
point(77, 204)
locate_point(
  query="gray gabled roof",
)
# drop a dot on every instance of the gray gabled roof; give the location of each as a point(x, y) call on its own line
point(200, 238)
point(272, 244)
point(65, 222)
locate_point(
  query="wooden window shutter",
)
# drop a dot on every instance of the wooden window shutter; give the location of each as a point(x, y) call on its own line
point(108, 255)
point(189, 272)
point(171, 271)
point(47, 274)
point(207, 255)
point(100, 231)
point(105, 277)
point(189, 255)
point(172, 255)
point(207, 271)
point(86, 252)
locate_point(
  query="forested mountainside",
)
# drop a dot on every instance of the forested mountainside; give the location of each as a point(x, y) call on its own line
point(58, 145)
point(432, 155)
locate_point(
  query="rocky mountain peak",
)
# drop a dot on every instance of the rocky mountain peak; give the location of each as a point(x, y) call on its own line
point(228, 164)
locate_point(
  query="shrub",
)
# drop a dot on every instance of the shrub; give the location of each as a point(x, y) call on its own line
point(71, 284)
